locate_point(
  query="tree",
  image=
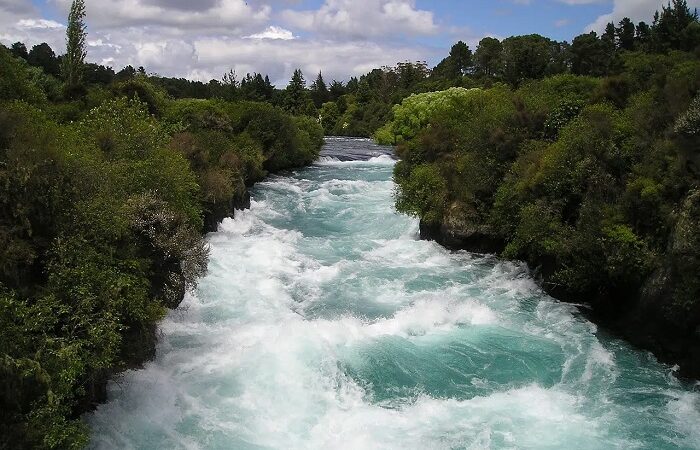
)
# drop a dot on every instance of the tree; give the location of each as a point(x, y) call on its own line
point(336, 90)
point(297, 99)
point(329, 116)
point(487, 59)
point(643, 36)
point(352, 85)
point(42, 55)
point(560, 62)
point(669, 25)
point(458, 63)
point(525, 57)
point(409, 73)
point(97, 74)
point(126, 73)
point(319, 91)
point(625, 34)
point(74, 60)
point(690, 37)
point(230, 85)
point(610, 33)
point(591, 56)
point(254, 87)
point(19, 50)
point(461, 56)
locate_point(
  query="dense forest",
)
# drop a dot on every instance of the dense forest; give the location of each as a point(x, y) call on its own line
point(107, 184)
point(581, 159)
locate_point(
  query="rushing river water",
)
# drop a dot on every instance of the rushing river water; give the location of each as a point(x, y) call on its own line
point(324, 323)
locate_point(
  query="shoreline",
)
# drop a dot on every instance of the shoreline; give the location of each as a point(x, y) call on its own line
point(633, 326)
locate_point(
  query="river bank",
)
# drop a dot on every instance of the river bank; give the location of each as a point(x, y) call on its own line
point(639, 323)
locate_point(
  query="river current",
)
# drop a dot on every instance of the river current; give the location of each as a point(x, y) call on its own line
point(324, 323)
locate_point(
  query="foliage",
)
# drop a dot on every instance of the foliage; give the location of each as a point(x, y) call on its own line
point(103, 203)
point(17, 82)
point(591, 177)
point(423, 193)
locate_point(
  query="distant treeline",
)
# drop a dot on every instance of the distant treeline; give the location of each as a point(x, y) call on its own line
point(363, 104)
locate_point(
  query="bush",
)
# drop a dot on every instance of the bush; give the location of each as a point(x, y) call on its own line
point(422, 194)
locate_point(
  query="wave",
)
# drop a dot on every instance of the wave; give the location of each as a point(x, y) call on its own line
point(379, 160)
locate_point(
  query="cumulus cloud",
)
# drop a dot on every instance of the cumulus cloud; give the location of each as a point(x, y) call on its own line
point(273, 32)
point(362, 18)
point(40, 24)
point(20, 21)
point(204, 39)
point(211, 15)
point(337, 60)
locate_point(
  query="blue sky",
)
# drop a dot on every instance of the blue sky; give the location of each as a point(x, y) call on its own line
point(202, 39)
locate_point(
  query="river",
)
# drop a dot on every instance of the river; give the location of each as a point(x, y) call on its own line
point(324, 323)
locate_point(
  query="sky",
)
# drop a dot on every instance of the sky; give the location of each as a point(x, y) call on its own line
point(203, 39)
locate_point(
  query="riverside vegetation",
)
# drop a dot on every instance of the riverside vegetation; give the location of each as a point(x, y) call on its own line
point(105, 192)
point(590, 175)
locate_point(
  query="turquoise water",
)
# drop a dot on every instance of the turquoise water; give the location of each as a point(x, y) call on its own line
point(324, 323)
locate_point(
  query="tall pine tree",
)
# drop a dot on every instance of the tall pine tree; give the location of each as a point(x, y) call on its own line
point(74, 59)
point(319, 91)
point(297, 99)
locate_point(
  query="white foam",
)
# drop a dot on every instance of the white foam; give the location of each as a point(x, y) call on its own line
point(381, 160)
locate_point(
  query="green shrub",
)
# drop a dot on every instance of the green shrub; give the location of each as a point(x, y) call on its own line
point(423, 193)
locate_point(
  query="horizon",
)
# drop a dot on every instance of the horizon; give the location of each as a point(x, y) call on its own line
point(340, 38)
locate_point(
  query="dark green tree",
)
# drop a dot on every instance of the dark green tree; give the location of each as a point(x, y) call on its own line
point(352, 85)
point(457, 64)
point(255, 87)
point(42, 55)
point(670, 24)
point(336, 90)
point(610, 33)
point(19, 50)
point(319, 91)
point(296, 98)
point(126, 73)
point(488, 57)
point(98, 74)
point(525, 57)
point(643, 36)
point(591, 56)
point(625, 34)
point(73, 62)
point(230, 85)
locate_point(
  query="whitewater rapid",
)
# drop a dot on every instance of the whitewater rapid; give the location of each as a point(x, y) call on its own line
point(324, 323)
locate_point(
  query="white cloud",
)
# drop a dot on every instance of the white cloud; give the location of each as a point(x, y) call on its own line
point(362, 18)
point(43, 24)
point(273, 32)
point(20, 21)
point(204, 39)
point(212, 16)
point(337, 60)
